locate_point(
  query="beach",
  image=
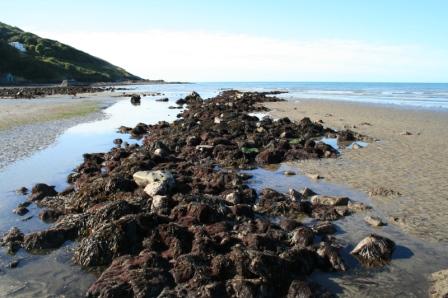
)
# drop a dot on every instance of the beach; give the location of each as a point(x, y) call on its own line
point(407, 156)
point(27, 125)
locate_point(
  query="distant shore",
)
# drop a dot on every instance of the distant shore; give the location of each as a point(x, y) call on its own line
point(409, 158)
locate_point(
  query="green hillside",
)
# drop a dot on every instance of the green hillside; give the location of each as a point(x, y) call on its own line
point(48, 61)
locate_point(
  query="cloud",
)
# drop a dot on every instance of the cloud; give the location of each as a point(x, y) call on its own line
point(210, 56)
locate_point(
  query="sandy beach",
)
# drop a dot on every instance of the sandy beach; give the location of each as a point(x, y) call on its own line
point(413, 164)
point(27, 125)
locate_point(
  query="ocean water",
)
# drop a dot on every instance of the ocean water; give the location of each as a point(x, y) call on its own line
point(419, 95)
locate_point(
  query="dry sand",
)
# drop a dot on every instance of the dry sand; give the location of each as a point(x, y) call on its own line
point(415, 165)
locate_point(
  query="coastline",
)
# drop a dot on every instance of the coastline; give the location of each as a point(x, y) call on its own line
point(412, 164)
point(30, 125)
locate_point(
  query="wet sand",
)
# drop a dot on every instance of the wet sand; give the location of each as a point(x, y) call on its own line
point(414, 165)
point(30, 125)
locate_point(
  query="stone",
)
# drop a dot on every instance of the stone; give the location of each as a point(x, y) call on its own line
point(294, 195)
point(330, 257)
point(154, 182)
point(22, 191)
point(160, 202)
point(374, 250)
point(374, 221)
point(329, 200)
point(21, 211)
point(324, 228)
point(41, 191)
point(164, 99)
point(307, 192)
point(50, 215)
point(12, 240)
point(289, 173)
point(302, 236)
point(135, 99)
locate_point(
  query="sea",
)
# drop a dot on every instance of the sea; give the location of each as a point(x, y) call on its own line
point(418, 95)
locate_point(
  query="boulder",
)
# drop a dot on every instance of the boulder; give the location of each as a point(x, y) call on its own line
point(374, 250)
point(154, 182)
point(21, 210)
point(41, 191)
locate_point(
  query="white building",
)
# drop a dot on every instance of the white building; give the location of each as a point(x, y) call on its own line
point(19, 46)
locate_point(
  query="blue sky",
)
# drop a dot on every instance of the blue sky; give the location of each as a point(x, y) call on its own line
point(413, 32)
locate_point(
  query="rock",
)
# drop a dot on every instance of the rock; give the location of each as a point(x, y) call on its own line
point(14, 264)
point(289, 173)
point(154, 182)
point(303, 236)
point(50, 215)
point(21, 211)
point(357, 206)
point(44, 240)
point(374, 221)
point(330, 257)
point(22, 191)
point(324, 228)
point(160, 203)
point(118, 141)
point(439, 286)
point(294, 195)
point(406, 133)
point(357, 146)
point(145, 275)
point(12, 240)
point(217, 120)
point(135, 99)
point(329, 201)
point(233, 198)
point(314, 176)
point(41, 191)
point(307, 193)
point(24, 204)
point(374, 250)
point(165, 99)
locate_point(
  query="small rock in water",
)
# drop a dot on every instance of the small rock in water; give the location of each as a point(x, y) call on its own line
point(289, 173)
point(41, 191)
point(294, 195)
point(14, 264)
point(307, 192)
point(165, 99)
point(329, 201)
point(374, 250)
point(314, 176)
point(357, 206)
point(135, 99)
point(374, 221)
point(22, 191)
point(356, 146)
point(118, 141)
point(21, 211)
point(406, 133)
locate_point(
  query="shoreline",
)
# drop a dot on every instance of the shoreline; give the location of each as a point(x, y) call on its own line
point(408, 158)
point(30, 125)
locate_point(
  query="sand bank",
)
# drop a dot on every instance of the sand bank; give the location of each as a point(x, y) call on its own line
point(30, 125)
point(413, 164)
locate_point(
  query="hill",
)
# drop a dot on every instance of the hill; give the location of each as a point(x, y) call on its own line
point(28, 58)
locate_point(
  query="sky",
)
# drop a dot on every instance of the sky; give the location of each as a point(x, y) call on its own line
point(282, 40)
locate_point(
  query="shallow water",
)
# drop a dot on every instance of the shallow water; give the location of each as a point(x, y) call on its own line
point(412, 262)
point(54, 275)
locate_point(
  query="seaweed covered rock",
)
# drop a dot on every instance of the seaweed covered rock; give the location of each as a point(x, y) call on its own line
point(374, 250)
